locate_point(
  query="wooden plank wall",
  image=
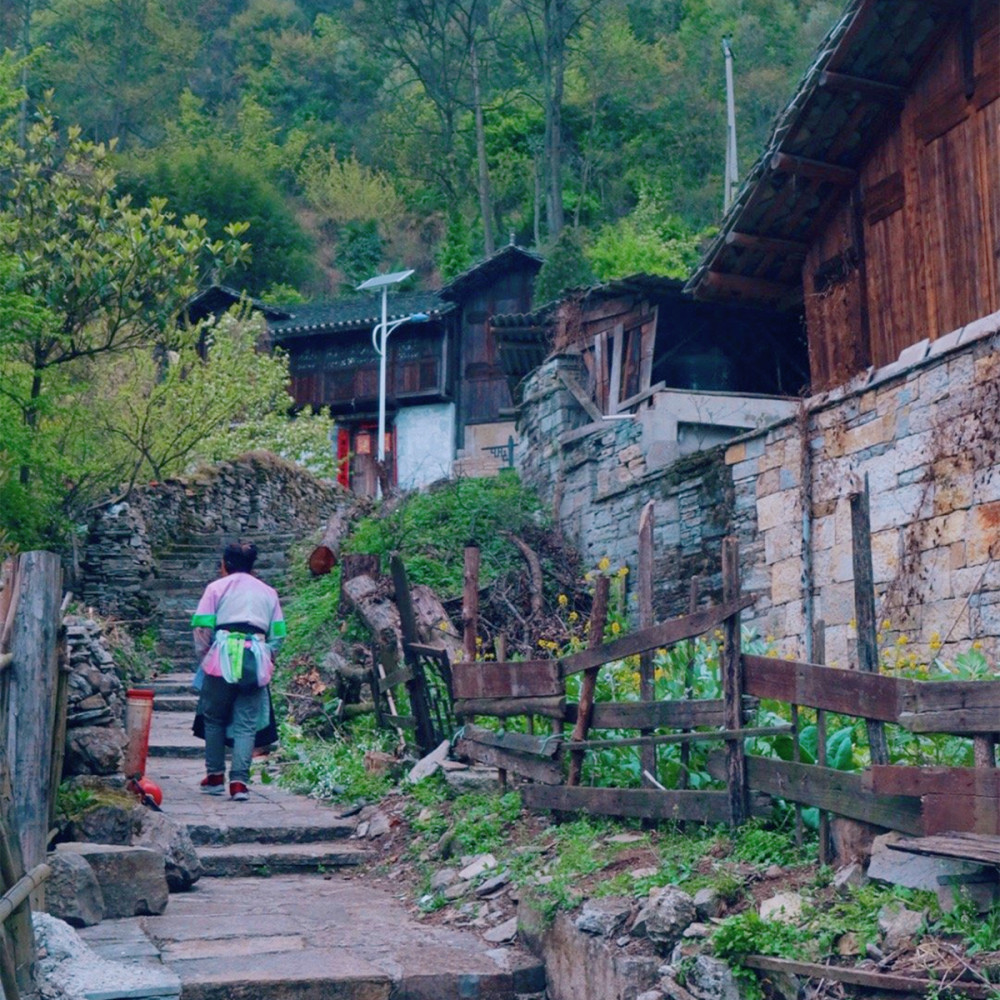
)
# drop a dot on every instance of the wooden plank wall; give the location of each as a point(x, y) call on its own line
point(925, 213)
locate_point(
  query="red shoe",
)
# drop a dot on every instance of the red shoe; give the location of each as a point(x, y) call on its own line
point(238, 792)
point(213, 784)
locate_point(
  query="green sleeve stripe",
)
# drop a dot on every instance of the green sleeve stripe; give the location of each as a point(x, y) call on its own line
point(278, 630)
point(203, 621)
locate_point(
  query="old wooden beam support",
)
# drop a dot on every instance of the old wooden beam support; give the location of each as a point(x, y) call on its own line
point(766, 244)
point(645, 803)
point(585, 705)
point(542, 746)
point(744, 287)
point(505, 708)
point(647, 692)
point(545, 772)
point(874, 90)
point(470, 601)
point(732, 684)
point(815, 170)
point(655, 715)
point(517, 679)
point(864, 610)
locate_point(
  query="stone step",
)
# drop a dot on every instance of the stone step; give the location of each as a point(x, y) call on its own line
point(247, 860)
point(175, 702)
point(297, 937)
point(176, 682)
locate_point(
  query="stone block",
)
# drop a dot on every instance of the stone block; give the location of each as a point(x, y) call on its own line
point(913, 871)
point(900, 506)
point(914, 353)
point(881, 430)
point(836, 604)
point(133, 880)
point(885, 555)
point(160, 833)
point(982, 540)
point(72, 892)
point(736, 453)
point(777, 509)
point(983, 327)
point(783, 542)
point(768, 482)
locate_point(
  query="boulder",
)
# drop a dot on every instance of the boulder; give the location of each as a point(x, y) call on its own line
point(713, 979)
point(94, 750)
point(708, 903)
point(157, 831)
point(604, 917)
point(899, 926)
point(666, 914)
point(72, 892)
point(133, 880)
point(108, 822)
point(785, 907)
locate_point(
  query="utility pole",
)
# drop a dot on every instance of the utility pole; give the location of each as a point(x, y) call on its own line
point(732, 170)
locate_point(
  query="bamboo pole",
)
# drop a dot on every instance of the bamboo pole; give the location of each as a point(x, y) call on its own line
point(598, 619)
point(22, 889)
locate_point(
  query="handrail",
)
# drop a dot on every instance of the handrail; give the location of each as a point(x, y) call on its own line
point(23, 888)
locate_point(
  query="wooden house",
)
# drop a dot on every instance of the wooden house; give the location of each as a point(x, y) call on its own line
point(448, 408)
point(875, 208)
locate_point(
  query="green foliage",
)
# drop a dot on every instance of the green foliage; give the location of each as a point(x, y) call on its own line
point(73, 800)
point(566, 267)
point(430, 529)
point(334, 768)
point(979, 931)
point(747, 934)
point(764, 847)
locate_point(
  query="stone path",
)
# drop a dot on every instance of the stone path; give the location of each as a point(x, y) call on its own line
point(280, 911)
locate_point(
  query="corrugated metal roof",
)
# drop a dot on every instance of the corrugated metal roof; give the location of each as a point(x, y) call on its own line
point(846, 99)
point(355, 313)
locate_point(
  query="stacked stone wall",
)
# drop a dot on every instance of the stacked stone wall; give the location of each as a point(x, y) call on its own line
point(926, 433)
point(255, 496)
point(597, 480)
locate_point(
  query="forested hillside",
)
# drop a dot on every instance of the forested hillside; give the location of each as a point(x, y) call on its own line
point(382, 133)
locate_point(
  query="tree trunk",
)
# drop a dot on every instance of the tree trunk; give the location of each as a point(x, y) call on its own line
point(485, 196)
point(554, 71)
point(324, 557)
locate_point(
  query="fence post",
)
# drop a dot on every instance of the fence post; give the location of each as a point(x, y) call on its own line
point(819, 656)
point(585, 705)
point(17, 937)
point(470, 601)
point(732, 684)
point(647, 686)
point(35, 670)
point(864, 610)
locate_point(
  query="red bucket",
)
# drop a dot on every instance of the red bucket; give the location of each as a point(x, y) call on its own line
point(138, 716)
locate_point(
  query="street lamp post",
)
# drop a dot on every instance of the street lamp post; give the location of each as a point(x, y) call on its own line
point(380, 338)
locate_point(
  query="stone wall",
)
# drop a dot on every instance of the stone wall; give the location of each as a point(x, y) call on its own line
point(254, 496)
point(926, 432)
point(598, 478)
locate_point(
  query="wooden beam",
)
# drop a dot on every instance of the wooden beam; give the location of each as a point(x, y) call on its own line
point(585, 704)
point(731, 670)
point(840, 792)
point(581, 396)
point(654, 715)
point(967, 846)
point(525, 679)
point(703, 736)
point(546, 772)
point(665, 634)
point(847, 692)
point(767, 244)
point(815, 170)
point(863, 977)
point(505, 708)
point(542, 746)
point(744, 287)
point(646, 803)
point(873, 90)
point(647, 680)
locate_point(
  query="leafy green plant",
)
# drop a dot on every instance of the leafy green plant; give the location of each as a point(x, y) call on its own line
point(747, 934)
point(74, 800)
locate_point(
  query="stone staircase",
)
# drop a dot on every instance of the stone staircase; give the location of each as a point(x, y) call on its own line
point(281, 912)
point(184, 568)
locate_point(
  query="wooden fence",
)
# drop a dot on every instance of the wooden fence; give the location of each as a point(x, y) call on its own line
point(911, 799)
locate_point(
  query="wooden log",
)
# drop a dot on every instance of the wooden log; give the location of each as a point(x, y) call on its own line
point(965, 846)
point(647, 687)
point(585, 704)
point(904, 779)
point(545, 772)
point(658, 715)
point(873, 980)
point(395, 677)
point(518, 679)
point(324, 557)
point(541, 746)
point(353, 565)
point(434, 627)
point(377, 611)
point(645, 803)
point(845, 692)
point(732, 684)
point(819, 651)
point(470, 602)
point(864, 610)
point(664, 634)
point(505, 708)
point(34, 643)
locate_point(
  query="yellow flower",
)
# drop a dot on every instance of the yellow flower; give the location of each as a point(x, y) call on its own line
point(615, 628)
point(604, 564)
point(563, 600)
point(573, 616)
point(977, 645)
point(902, 640)
point(886, 625)
point(623, 572)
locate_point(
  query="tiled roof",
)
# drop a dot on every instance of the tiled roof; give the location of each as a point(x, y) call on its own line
point(354, 313)
point(492, 267)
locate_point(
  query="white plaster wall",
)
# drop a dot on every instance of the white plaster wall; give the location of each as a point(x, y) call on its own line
point(425, 443)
